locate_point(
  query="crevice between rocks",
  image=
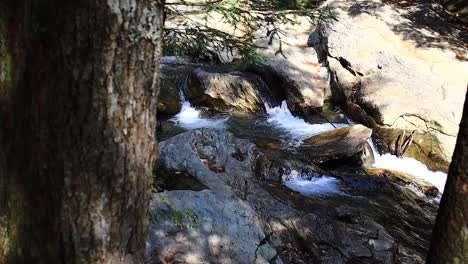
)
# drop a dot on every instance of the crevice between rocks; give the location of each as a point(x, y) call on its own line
point(426, 122)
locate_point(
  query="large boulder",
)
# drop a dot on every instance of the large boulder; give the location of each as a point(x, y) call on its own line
point(398, 67)
point(294, 67)
point(336, 144)
point(174, 71)
point(205, 227)
point(210, 226)
point(227, 91)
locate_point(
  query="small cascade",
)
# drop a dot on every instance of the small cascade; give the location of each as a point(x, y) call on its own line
point(268, 97)
point(410, 166)
point(311, 185)
point(191, 118)
point(296, 127)
point(299, 129)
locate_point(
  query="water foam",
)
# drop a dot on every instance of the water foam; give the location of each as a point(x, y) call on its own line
point(191, 118)
point(299, 129)
point(312, 186)
point(410, 166)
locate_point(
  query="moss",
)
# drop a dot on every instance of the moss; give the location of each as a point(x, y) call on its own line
point(328, 112)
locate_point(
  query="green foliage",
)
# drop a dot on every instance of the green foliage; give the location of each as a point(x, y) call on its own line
point(166, 201)
point(183, 219)
point(247, 19)
point(156, 187)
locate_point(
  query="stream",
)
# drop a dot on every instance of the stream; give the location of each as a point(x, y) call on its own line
point(280, 126)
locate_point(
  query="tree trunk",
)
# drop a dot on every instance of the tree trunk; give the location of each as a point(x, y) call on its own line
point(78, 87)
point(450, 235)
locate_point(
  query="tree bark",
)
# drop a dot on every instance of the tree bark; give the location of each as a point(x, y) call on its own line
point(77, 139)
point(450, 235)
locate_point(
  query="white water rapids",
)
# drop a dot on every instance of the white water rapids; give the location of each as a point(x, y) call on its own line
point(191, 118)
point(299, 129)
point(281, 117)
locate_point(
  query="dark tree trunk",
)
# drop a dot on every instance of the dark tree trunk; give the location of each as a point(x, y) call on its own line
point(450, 236)
point(78, 87)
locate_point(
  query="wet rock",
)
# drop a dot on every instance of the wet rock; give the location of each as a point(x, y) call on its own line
point(336, 144)
point(169, 101)
point(227, 91)
point(293, 68)
point(273, 164)
point(425, 147)
point(392, 68)
point(396, 176)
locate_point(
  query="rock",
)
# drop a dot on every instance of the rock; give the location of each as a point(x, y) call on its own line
point(168, 179)
point(396, 176)
point(404, 68)
point(366, 224)
point(186, 151)
point(205, 227)
point(426, 147)
point(336, 144)
point(273, 164)
point(295, 73)
point(226, 229)
point(227, 91)
point(169, 101)
point(297, 69)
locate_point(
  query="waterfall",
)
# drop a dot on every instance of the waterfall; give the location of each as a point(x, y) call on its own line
point(409, 166)
point(191, 118)
point(298, 128)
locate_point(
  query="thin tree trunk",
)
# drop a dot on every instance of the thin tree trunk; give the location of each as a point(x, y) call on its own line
point(450, 236)
point(77, 143)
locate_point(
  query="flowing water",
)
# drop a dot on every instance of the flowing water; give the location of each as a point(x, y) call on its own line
point(312, 185)
point(297, 129)
point(280, 126)
point(192, 118)
point(410, 166)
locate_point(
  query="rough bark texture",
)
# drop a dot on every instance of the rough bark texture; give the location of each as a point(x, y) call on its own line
point(450, 236)
point(77, 139)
